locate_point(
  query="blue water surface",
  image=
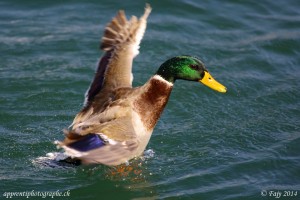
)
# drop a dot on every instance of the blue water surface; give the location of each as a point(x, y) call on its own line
point(240, 145)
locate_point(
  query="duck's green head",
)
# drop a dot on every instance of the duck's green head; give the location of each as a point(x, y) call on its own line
point(188, 68)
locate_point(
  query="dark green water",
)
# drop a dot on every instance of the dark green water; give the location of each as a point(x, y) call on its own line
point(206, 145)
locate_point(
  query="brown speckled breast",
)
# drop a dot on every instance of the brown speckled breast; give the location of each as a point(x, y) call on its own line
point(150, 104)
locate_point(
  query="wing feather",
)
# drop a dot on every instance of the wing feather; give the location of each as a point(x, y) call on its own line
point(120, 42)
point(110, 154)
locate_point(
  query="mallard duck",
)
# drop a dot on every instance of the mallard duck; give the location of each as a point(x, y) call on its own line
point(117, 120)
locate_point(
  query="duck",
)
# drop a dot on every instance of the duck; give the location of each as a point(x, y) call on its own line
point(117, 119)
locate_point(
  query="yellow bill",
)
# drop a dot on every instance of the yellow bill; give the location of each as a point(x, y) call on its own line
point(209, 81)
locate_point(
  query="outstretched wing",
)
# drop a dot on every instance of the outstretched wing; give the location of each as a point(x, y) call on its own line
point(120, 42)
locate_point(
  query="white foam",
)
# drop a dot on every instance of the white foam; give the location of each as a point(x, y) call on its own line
point(50, 160)
point(149, 153)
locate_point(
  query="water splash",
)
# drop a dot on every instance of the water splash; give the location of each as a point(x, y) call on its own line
point(53, 160)
point(148, 154)
point(57, 159)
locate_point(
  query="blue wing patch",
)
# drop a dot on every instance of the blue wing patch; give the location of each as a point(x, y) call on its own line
point(87, 143)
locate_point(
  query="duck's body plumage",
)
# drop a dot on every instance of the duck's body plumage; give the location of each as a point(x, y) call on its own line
point(117, 120)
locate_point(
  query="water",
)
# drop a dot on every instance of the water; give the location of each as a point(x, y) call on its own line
point(206, 145)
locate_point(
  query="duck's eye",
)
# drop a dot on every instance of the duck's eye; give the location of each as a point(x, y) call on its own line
point(195, 67)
